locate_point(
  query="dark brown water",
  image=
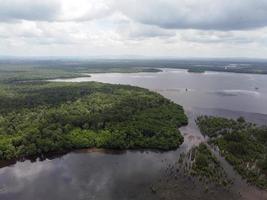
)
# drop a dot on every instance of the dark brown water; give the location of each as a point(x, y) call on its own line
point(130, 174)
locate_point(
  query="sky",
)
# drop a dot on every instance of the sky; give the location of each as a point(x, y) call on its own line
point(141, 28)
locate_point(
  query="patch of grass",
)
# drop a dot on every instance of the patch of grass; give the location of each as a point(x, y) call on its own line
point(200, 162)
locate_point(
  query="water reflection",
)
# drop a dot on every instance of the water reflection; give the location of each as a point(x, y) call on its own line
point(84, 176)
point(97, 174)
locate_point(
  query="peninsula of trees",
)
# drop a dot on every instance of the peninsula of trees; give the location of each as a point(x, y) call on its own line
point(37, 118)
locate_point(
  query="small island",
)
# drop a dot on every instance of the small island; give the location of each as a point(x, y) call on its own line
point(41, 117)
point(196, 70)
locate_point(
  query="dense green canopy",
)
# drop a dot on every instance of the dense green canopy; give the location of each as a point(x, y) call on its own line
point(41, 117)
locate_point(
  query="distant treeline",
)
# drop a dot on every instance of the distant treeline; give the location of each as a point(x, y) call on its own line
point(28, 69)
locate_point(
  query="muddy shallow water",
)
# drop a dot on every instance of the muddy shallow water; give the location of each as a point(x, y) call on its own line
point(98, 174)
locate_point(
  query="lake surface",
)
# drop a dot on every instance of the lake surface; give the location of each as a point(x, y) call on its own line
point(229, 91)
point(130, 174)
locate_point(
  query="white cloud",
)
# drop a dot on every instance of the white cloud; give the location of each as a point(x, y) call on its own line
point(151, 27)
point(233, 37)
point(84, 10)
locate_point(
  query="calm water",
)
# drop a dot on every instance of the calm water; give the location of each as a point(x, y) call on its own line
point(129, 174)
point(230, 91)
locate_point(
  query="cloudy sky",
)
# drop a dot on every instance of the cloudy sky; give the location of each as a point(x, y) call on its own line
point(154, 28)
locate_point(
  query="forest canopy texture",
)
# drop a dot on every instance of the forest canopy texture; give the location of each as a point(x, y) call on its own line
point(37, 118)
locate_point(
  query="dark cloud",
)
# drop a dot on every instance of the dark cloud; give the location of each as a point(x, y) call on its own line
point(196, 14)
point(37, 10)
point(136, 31)
point(222, 15)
